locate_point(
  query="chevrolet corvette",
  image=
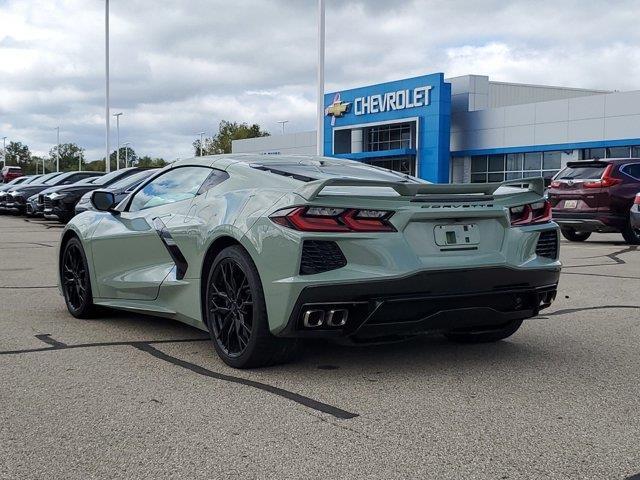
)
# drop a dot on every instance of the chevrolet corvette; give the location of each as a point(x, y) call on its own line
point(264, 252)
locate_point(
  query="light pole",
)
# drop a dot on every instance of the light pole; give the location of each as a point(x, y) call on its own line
point(117, 115)
point(283, 123)
point(58, 150)
point(4, 151)
point(126, 154)
point(320, 99)
point(107, 167)
point(201, 134)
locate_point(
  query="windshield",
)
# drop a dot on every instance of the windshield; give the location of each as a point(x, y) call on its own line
point(591, 172)
point(133, 180)
point(17, 180)
point(49, 176)
point(108, 178)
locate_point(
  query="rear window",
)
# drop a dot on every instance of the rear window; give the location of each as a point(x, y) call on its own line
point(591, 172)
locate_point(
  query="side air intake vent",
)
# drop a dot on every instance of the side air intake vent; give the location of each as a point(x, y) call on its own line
point(548, 245)
point(320, 256)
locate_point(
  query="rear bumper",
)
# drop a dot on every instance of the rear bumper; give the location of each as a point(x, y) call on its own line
point(590, 222)
point(430, 301)
point(635, 216)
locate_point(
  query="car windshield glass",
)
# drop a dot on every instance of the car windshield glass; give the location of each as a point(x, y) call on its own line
point(87, 181)
point(581, 173)
point(34, 179)
point(132, 180)
point(46, 179)
point(17, 180)
point(59, 179)
point(106, 179)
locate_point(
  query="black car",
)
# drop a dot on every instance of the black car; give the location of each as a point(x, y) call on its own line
point(5, 188)
point(17, 199)
point(61, 202)
point(120, 189)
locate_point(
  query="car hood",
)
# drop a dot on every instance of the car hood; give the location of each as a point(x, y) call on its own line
point(30, 189)
point(77, 189)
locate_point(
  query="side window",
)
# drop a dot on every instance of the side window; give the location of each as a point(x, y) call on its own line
point(175, 185)
point(70, 179)
point(633, 170)
point(215, 178)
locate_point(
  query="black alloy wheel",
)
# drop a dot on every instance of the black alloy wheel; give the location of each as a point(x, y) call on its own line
point(235, 313)
point(74, 277)
point(231, 304)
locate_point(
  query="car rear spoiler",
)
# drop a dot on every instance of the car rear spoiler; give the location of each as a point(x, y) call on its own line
point(310, 191)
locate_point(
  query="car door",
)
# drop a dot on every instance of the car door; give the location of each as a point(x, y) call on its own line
point(130, 250)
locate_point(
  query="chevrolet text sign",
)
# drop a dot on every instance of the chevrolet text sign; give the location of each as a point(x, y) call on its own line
point(390, 101)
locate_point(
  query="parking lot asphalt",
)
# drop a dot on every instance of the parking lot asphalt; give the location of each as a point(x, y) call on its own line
point(128, 396)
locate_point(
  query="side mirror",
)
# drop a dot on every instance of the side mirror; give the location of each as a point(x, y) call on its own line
point(103, 201)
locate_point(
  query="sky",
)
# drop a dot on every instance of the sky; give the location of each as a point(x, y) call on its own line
point(179, 67)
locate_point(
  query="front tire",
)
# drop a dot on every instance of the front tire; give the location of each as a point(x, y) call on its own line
point(485, 335)
point(75, 281)
point(573, 236)
point(631, 235)
point(236, 314)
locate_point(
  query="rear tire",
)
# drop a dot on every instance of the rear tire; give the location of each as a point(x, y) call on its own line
point(573, 236)
point(486, 334)
point(236, 314)
point(75, 280)
point(631, 235)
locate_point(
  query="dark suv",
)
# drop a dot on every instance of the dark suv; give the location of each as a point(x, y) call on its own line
point(596, 196)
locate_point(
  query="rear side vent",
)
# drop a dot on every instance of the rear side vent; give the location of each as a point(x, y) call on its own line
point(548, 245)
point(320, 256)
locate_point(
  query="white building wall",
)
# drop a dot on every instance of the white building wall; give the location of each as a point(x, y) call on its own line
point(612, 116)
point(301, 143)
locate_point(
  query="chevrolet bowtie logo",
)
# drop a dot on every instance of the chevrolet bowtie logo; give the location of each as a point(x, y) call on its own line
point(337, 109)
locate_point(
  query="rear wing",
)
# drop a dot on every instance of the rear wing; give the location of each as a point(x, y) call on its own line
point(312, 190)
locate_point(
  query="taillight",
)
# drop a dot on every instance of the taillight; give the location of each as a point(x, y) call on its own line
point(329, 219)
point(555, 184)
point(606, 181)
point(637, 200)
point(530, 214)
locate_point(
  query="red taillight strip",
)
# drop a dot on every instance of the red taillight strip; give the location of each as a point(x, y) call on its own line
point(346, 221)
point(530, 216)
point(606, 181)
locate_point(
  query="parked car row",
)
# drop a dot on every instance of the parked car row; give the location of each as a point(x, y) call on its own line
point(56, 195)
point(597, 196)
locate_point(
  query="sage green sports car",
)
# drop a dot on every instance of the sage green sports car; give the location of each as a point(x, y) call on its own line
point(264, 251)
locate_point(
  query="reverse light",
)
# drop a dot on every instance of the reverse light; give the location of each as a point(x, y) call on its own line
point(329, 219)
point(606, 181)
point(530, 214)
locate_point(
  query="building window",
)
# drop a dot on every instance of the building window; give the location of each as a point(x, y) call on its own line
point(390, 137)
point(610, 152)
point(401, 164)
point(342, 141)
point(512, 166)
point(592, 153)
point(618, 152)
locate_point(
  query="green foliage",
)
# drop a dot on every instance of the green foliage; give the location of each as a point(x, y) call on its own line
point(148, 162)
point(227, 132)
point(71, 157)
point(17, 153)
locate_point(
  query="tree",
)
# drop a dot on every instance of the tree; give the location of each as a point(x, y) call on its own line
point(227, 132)
point(71, 157)
point(133, 157)
point(148, 162)
point(18, 154)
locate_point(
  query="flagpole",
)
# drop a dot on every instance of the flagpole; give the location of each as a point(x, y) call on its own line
point(320, 93)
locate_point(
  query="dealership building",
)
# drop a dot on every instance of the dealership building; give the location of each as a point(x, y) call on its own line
point(469, 128)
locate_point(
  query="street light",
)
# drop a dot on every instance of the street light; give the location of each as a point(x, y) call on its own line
point(201, 134)
point(117, 115)
point(126, 154)
point(58, 150)
point(107, 167)
point(283, 123)
point(320, 93)
point(4, 151)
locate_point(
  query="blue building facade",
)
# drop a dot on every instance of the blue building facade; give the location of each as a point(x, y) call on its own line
point(402, 125)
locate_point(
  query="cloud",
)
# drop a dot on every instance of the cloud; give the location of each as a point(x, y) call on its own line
point(180, 67)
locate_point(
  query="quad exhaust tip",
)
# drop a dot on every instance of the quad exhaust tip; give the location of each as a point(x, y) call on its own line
point(329, 318)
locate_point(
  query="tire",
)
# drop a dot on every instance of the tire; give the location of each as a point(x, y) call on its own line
point(234, 295)
point(486, 334)
point(631, 235)
point(75, 281)
point(573, 236)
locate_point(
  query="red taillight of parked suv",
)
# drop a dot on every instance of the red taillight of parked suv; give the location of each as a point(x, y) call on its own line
point(596, 196)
